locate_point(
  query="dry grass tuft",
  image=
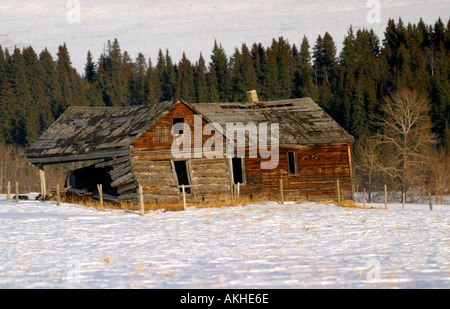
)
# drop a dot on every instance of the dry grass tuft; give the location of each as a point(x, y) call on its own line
point(107, 259)
point(220, 203)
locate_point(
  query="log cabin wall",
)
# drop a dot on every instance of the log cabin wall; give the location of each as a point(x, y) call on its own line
point(152, 167)
point(318, 168)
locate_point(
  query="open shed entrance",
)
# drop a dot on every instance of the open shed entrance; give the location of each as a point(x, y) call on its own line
point(87, 179)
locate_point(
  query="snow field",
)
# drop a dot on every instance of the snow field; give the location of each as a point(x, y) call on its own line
point(268, 245)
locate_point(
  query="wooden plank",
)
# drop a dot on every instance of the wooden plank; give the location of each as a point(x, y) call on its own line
point(79, 157)
point(122, 180)
point(127, 188)
point(112, 162)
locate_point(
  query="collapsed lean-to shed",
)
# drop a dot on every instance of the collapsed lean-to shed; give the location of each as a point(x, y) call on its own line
point(131, 146)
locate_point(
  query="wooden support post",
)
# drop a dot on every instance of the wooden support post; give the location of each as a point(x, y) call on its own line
point(353, 192)
point(232, 189)
point(17, 192)
point(238, 190)
point(403, 199)
point(184, 197)
point(385, 197)
point(8, 191)
point(364, 197)
point(281, 192)
point(141, 200)
point(431, 201)
point(338, 193)
point(100, 192)
point(42, 181)
point(58, 196)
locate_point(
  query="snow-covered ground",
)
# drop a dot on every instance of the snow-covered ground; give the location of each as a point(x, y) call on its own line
point(268, 245)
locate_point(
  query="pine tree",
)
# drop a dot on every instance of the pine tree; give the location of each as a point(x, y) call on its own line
point(272, 88)
point(170, 83)
point(6, 101)
point(24, 125)
point(185, 89)
point(220, 67)
point(303, 77)
point(213, 86)
point(201, 84)
point(243, 74)
point(286, 66)
point(154, 92)
point(138, 82)
point(89, 69)
point(259, 58)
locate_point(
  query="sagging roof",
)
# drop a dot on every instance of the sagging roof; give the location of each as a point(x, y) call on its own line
point(301, 121)
point(90, 133)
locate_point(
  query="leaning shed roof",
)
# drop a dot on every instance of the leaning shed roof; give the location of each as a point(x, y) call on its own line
point(301, 121)
point(89, 133)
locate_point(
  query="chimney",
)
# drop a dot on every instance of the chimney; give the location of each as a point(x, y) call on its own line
point(252, 96)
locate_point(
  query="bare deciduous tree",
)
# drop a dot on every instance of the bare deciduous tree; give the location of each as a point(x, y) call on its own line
point(406, 137)
point(439, 165)
point(367, 159)
point(15, 168)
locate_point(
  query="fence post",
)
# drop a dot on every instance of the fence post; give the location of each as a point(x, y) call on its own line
point(403, 199)
point(100, 192)
point(431, 201)
point(338, 193)
point(58, 197)
point(364, 197)
point(281, 191)
point(385, 197)
point(232, 189)
point(42, 181)
point(17, 192)
point(8, 191)
point(184, 197)
point(141, 200)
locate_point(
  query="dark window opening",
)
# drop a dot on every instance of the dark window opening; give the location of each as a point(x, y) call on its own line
point(292, 158)
point(238, 170)
point(181, 169)
point(178, 125)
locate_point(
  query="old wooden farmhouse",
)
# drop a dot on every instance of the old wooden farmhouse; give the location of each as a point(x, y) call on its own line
point(124, 148)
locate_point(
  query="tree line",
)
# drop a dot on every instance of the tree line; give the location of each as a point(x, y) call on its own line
point(36, 89)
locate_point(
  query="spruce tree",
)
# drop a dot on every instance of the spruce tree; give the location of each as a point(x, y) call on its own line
point(185, 89)
point(89, 69)
point(154, 92)
point(201, 84)
point(220, 67)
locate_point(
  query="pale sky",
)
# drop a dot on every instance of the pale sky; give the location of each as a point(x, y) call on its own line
point(192, 25)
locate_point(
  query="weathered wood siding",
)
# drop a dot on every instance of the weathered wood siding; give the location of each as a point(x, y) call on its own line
point(319, 167)
point(151, 155)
